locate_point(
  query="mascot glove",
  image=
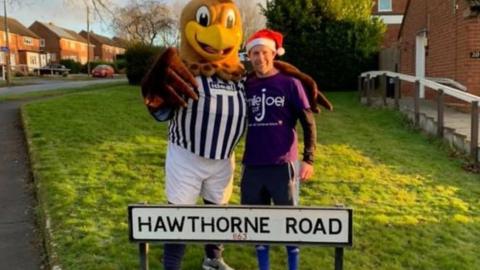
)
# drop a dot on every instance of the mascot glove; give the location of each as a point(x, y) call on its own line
point(168, 83)
point(313, 93)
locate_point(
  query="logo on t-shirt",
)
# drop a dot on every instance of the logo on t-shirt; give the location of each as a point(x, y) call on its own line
point(221, 86)
point(259, 104)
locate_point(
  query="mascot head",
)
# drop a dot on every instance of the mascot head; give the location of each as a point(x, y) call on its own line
point(211, 36)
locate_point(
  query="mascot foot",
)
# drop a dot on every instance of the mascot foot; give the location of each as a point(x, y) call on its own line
point(215, 264)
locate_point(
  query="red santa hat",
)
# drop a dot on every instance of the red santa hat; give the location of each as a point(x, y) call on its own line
point(269, 38)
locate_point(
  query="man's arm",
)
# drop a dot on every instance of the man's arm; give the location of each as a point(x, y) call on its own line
point(307, 121)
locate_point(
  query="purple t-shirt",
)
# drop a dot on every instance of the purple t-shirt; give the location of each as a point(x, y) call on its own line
point(273, 106)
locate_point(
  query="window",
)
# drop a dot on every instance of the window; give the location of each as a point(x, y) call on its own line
point(33, 60)
point(27, 41)
point(384, 5)
point(42, 43)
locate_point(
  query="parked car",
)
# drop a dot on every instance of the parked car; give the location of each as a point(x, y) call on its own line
point(103, 71)
point(52, 69)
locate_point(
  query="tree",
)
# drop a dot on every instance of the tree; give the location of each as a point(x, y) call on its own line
point(252, 16)
point(148, 22)
point(332, 40)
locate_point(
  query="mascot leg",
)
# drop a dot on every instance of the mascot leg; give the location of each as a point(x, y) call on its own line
point(182, 187)
point(213, 251)
point(217, 190)
point(172, 256)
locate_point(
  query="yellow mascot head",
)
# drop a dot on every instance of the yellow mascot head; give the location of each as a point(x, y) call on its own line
point(211, 36)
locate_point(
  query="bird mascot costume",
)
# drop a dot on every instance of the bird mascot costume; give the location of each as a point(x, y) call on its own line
point(200, 91)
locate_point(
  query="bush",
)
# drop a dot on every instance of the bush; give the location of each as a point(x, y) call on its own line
point(19, 74)
point(138, 59)
point(333, 41)
point(75, 67)
point(121, 64)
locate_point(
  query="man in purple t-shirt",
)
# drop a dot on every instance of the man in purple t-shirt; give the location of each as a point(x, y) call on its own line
point(275, 102)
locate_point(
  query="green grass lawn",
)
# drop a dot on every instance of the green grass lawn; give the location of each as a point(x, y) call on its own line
point(57, 92)
point(95, 152)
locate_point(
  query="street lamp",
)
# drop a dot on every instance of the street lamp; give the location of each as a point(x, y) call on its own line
point(7, 45)
point(88, 40)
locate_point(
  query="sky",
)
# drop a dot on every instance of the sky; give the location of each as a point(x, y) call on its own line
point(67, 14)
point(70, 14)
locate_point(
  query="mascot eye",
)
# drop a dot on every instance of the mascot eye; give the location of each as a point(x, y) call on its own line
point(203, 16)
point(230, 19)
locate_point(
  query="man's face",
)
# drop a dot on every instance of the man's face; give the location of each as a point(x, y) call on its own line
point(262, 58)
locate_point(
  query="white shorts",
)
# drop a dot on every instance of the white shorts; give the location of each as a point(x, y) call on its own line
point(189, 176)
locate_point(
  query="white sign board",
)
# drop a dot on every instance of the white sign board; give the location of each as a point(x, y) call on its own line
point(173, 223)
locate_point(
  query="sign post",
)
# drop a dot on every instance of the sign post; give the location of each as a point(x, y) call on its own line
point(241, 224)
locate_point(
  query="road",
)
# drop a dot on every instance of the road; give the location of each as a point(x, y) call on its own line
point(46, 85)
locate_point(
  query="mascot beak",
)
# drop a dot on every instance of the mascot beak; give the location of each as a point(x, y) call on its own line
point(216, 39)
point(213, 42)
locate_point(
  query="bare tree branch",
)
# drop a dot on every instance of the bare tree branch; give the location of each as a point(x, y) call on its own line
point(252, 17)
point(148, 22)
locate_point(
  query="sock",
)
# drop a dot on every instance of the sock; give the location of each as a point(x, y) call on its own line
point(172, 256)
point(213, 251)
point(293, 257)
point(263, 257)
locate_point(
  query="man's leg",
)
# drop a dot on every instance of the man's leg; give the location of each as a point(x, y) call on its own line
point(281, 184)
point(253, 192)
point(293, 253)
point(263, 257)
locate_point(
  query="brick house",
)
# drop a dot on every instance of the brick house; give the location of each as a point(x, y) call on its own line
point(391, 12)
point(441, 40)
point(106, 49)
point(120, 42)
point(61, 43)
point(24, 46)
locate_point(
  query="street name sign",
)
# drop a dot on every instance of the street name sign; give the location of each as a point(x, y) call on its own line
point(241, 224)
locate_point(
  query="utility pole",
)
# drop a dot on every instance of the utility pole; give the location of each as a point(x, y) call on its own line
point(88, 40)
point(7, 45)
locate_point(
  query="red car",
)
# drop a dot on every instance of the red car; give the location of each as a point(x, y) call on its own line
point(103, 71)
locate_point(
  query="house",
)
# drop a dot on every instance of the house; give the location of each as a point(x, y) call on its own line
point(24, 46)
point(106, 49)
point(441, 40)
point(391, 12)
point(61, 43)
point(120, 42)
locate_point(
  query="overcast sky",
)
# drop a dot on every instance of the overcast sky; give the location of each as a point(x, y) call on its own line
point(70, 16)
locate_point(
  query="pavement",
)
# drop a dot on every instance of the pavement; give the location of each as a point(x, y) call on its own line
point(457, 123)
point(21, 243)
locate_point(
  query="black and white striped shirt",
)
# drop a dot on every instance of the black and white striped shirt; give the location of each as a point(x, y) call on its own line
point(212, 125)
